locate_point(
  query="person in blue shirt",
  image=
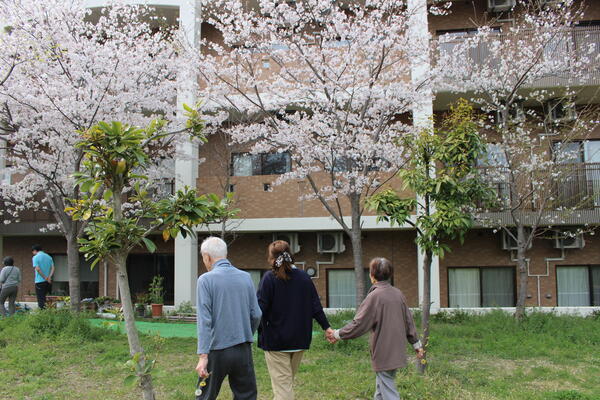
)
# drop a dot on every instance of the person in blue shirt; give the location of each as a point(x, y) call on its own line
point(228, 315)
point(44, 270)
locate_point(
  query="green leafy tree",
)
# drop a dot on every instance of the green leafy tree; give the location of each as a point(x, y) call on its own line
point(442, 174)
point(121, 210)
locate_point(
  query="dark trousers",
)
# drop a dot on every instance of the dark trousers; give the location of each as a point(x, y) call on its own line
point(236, 363)
point(10, 294)
point(41, 290)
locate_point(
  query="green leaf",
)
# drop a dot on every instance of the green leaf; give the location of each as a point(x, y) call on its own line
point(86, 185)
point(149, 245)
point(130, 380)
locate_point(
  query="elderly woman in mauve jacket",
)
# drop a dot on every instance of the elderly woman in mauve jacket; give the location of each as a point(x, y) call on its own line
point(385, 314)
point(289, 302)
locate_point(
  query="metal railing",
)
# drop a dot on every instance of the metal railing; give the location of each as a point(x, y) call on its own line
point(571, 44)
point(574, 186)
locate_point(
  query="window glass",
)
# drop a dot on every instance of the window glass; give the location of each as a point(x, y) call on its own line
point(463, 286)
point(88, 277)
point(596, 286)
point(573, 286)
point(494, 156)
point(256, 275)
point(592, 151)
point(341, 288)
point(245, 164)
point(275, 163)
point(497, 287)
point(568, 153)
point(242, 164)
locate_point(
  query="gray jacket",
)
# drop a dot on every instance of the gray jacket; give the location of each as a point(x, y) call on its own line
point(10, 276)
point(227, 308)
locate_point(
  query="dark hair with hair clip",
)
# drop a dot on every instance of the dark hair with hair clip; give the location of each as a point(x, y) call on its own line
point(280, 258)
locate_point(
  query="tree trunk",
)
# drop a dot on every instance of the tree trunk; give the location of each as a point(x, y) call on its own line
point(522, 268)
point(133, 337)
point(425, 309)
point(132, 334)
point(73, 267)
point(357, 254)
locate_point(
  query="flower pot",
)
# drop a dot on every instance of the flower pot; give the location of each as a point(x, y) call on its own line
point(157, 310)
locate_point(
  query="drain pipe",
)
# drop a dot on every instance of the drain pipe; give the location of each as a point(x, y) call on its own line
point(548, 260)
point(319, 263)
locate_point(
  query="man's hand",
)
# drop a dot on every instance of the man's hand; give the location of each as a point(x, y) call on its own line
point(330, 336)
point(202, 365)
point(49, 280)
point(420, 353)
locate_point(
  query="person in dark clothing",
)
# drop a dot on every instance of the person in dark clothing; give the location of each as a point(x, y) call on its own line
point(288, 300)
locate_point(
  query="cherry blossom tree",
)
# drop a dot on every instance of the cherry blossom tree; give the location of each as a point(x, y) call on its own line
point(63, 68)
point(526, 77)
point(327, 82)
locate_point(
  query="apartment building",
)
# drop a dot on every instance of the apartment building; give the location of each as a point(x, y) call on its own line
point(479, 273)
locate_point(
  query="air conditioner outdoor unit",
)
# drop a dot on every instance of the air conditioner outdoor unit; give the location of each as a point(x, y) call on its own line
point(508, 243)
point(566, 240)
point(560, 111)
point(500, 5)
point(516, 113)
point(330, 242)
point(291, 238)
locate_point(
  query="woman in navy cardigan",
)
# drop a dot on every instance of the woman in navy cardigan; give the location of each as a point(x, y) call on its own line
point(289, 302)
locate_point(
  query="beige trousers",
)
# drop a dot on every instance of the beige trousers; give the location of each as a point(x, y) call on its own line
point(283, 367)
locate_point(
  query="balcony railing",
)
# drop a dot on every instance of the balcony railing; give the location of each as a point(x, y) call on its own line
point(573, 187)
point(575, 42)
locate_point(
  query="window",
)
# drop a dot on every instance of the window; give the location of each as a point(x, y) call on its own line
point(141, 269)
point(245, 164)
point(481, 287)
point(88, 277)
point(256, 275)
point(341, 287)
point(494, 156)
point(578, 286)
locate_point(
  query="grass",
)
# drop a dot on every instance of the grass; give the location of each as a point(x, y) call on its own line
point(55, 356)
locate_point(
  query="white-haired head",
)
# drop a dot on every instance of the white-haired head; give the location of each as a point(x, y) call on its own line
point(214, 247)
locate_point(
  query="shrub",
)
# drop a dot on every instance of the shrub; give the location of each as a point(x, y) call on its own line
point(452, 317)
point(50, 323)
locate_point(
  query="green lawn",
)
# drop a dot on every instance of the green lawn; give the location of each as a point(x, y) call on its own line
point(53, 356)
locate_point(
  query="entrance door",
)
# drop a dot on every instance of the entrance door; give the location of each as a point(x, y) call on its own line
point(141, 268)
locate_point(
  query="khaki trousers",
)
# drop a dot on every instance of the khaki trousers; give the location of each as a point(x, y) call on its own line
point(283, 367)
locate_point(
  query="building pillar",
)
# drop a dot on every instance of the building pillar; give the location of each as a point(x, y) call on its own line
point(186, 160)
point(420, 59)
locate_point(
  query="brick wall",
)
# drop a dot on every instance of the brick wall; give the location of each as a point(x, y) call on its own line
point(482, 248)
point(248, 251)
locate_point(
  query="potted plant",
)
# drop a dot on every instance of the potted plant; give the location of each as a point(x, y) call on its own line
point(157, 296)
point(140, 305)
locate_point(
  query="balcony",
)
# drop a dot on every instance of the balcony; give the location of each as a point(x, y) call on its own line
point(577, 41)
point(573, 199)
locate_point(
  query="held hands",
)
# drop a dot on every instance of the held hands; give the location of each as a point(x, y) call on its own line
point(420, 353)
point(330, 336)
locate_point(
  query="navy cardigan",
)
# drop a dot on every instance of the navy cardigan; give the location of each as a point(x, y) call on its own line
point(288, 308)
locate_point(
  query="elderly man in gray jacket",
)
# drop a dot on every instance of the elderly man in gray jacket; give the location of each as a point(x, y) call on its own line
point(228, 316)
